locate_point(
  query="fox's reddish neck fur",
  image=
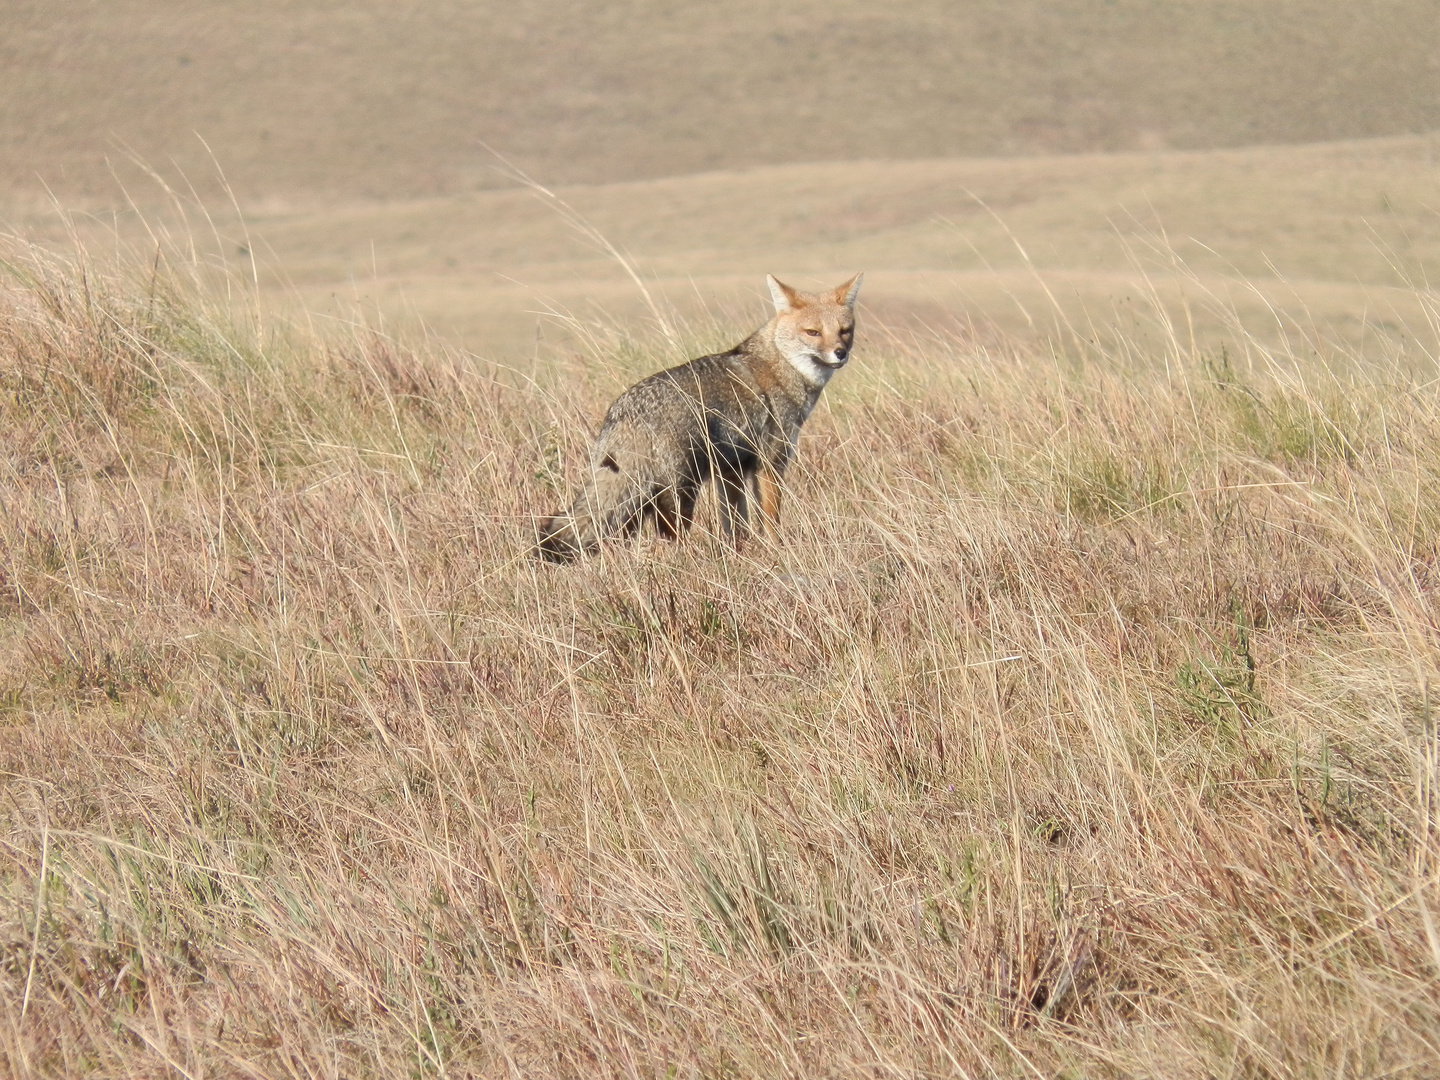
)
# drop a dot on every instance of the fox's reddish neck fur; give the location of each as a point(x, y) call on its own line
point(774, 371)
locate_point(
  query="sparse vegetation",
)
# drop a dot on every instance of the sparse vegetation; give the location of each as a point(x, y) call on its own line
point(374, 101)
point(1082, 725)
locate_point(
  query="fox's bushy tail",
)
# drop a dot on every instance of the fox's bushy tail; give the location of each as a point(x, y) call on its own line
point(558, 541)
point(609, 505)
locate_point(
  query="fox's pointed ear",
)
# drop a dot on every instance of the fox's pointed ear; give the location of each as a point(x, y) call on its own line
point(846, 293)
point(784, 296)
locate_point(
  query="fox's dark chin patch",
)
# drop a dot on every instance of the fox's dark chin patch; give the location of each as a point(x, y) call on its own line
point(826, 364)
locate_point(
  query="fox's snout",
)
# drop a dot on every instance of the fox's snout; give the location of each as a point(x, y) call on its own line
point(834, 359)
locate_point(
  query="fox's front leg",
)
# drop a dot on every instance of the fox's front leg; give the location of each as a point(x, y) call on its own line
point(767, 494)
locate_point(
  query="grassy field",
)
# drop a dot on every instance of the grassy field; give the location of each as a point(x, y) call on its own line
point(1082, 724)
point(1331, 239)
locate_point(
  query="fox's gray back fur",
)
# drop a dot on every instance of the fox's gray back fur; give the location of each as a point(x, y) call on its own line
point(732, 418)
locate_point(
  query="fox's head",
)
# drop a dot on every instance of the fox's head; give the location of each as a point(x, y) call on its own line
point(815, 331)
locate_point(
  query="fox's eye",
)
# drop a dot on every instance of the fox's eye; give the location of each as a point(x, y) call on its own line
point(810, 333)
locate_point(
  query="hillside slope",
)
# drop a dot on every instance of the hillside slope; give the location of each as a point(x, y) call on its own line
point(391, 100)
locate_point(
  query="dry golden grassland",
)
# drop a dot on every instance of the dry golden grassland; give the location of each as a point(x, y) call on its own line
point(1081, 725)
point(1330, 235)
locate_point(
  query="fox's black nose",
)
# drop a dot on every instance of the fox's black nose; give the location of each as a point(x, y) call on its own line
point(841, 352)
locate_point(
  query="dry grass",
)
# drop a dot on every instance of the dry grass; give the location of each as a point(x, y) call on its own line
point(1326, 234)
point(1082, 725)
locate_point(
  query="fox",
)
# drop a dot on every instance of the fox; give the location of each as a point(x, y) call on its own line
point(730, 418)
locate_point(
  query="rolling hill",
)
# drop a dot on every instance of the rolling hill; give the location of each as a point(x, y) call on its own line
point(391, 100)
